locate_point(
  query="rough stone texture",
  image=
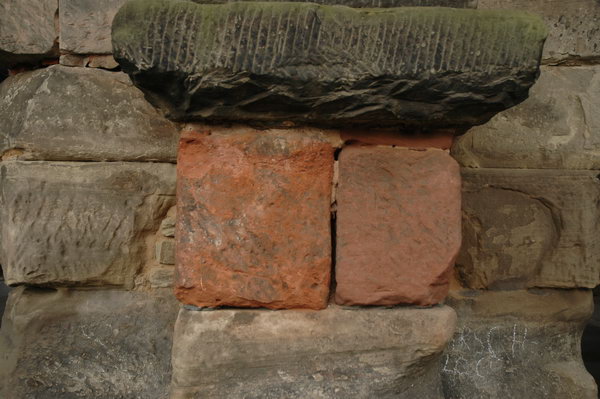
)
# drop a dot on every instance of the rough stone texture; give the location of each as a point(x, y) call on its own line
point(372, 3)
point(165, 251)
point(334, 66)
point(161, 277)
point(27, 31)
point(557, 127)
point(528, 228)
point(85, 25)
point(69, 223)
point(398, 225)
point(81, 114)
point(333, 353)
point(518, 344)
point(86, 344)
point(253, 213)
point(92, 61)
point(573, 26)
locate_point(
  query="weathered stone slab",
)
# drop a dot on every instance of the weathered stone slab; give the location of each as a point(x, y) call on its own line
point(100, 116)
point(573, 27)
point(85, 25)
point(372, 3)
point(557, 127)
point(86, 344)
point(398, 225)
point(27, 31)
point(333, 353)
point(518, 344)
point(253, 226)
point(303, 62)
point(530, 228)
point(69, 223)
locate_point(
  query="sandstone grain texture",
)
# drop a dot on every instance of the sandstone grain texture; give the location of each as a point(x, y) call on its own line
point(334, 353)
point(85, 25)
point(27, 31)
point(557, 127)
point(302, 62)
point(86, 344)
point(253, 218)
point(69, 223)
point(518, 344)
point(398, 225)
point(573, 26)
point(530, 228)
point(65, 114)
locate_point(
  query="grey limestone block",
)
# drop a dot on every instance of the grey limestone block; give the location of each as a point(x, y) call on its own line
point(303, 62)
point(73, 224)
point(530, 228)
point(27, 31)
point(573, 26)
point(81, 114)
point(518, 344)
point(557, 127)
point(332, 353)
point(86, 344)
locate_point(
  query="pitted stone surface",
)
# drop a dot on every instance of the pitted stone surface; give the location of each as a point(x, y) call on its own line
point(86, 344)
point(85, 25)
point(253, 218)
point(530, 228)
point(557, 127)
point(81, 114)
point(332, 353)
point(573, 26)
point(27, 31)
point(70, 223)
point(276, 62)
point(518, 344)
point(398, 225)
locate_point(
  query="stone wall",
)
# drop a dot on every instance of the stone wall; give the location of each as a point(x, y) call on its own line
point(88, 196)
point(530, 225)
point(334, 201)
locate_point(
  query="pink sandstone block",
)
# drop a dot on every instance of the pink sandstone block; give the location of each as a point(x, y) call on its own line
point(398, 225)
point(253, 218)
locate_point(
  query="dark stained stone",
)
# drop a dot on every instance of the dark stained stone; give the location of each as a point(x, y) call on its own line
point(518, 344)
point(303, 62)
point(530, 228)
point(86, 344)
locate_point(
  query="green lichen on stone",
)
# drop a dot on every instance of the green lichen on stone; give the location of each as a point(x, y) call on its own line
point(317, 58)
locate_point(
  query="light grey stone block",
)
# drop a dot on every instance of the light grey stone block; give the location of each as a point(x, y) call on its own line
point(332, 353)
point(27, 31)
point(68, 223)
point(82, 114)
point(557, 127)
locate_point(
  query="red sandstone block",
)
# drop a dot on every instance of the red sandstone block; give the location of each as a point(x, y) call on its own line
point(253, 219)
point(398, 225)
